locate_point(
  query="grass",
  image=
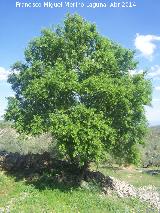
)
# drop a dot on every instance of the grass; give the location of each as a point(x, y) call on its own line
point(135, 176)
point(42, 194)
point(47, 196)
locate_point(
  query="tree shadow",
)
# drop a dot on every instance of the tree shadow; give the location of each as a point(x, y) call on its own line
point(152, 172)
point(110, 166)
point(40, 170)
point(46, 180)
point(44, 172)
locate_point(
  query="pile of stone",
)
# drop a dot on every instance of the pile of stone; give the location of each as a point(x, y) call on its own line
point(146, 193)
point(122, 189)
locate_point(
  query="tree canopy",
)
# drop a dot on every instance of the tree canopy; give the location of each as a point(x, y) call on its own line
point(76, 84)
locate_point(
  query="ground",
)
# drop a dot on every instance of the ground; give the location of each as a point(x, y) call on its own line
point(39, 191)
point(43, 194)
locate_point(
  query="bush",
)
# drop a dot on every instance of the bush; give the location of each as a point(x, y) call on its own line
point(11, 141)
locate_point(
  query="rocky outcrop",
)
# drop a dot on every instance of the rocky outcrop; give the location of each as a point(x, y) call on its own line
point(16, 161)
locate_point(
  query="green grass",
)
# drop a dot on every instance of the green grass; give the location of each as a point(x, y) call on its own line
point(44, 195)
point(137, 177)
point(20, 196)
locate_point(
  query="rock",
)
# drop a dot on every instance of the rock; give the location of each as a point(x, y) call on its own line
point(15, 161)
point(147, 193)
point(84, 184)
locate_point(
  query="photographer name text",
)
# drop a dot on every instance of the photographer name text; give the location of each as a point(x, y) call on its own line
point(52, 5)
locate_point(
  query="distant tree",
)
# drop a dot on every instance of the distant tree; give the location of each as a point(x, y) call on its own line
point(77, 85)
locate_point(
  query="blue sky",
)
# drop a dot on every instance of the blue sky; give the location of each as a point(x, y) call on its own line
point(136, 28)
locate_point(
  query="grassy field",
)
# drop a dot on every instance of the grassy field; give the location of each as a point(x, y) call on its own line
point(135, 176)
point(47, 196)
point(41, 194)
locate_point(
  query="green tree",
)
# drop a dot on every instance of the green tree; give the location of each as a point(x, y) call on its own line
point(77, 85)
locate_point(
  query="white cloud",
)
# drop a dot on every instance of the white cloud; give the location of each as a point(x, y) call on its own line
point(134, 72)
point(153, 115)
point(157, 88)
point(145, 44)
point(154, 71)
point(156, 100)
point(3, 74)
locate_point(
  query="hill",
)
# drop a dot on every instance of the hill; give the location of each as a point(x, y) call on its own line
point(151, 150)
point(10, 141)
